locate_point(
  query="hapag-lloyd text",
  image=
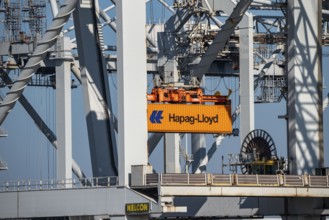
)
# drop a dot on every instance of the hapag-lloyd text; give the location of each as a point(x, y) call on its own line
point(200, 118)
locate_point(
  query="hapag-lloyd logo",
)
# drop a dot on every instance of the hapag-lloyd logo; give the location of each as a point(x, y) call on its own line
point(157, 117)
point(200, 118)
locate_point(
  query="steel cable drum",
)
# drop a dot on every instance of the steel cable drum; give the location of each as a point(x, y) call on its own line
point(257, 142)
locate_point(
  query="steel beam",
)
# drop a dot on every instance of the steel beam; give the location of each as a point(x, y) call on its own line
point(54, 7)
point(63, 120)
point(96, 90)
point(325, 102)
point(171, 144)
point(153, 141)
point(305, 122)
point(132, 87)
point(222, 37)
point(112, 24)
point(247, 115)
point(199, 151)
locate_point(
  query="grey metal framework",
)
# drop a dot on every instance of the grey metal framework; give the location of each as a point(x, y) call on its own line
point(39, 54)
point(276, 57)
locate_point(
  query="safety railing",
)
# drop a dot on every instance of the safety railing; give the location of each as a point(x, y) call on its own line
point(238, 180)
point(222, 180)
point(175, 179)
point(189, 179)
point(295, 180)
point(319, 181)
point(29, 185)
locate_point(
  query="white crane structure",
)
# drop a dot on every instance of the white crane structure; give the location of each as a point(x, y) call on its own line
point(270, 49)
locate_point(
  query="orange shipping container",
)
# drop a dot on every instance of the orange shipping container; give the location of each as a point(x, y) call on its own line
point(189, 118)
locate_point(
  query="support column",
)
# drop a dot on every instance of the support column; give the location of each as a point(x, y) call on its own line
point(94, 79)
point(132, 89)
point(246, 76)
point(305, 122)
point(171, 144)
point(63, 120)
point(199, 151)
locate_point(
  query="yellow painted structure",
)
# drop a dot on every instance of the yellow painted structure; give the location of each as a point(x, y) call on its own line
point(189, 118)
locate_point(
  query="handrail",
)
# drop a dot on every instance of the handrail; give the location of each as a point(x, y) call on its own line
point(51, 184)
point(204, 179)
point(240, 180)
